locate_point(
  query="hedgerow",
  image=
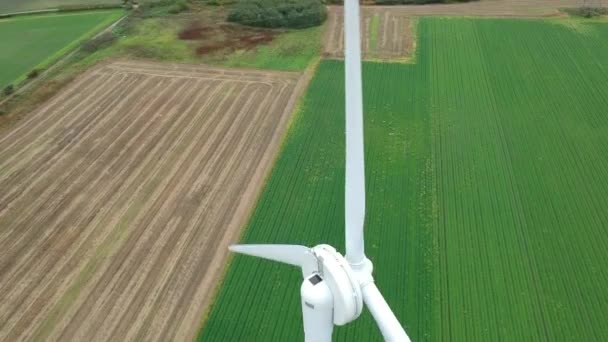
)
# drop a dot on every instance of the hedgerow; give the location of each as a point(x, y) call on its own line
point(278, 13)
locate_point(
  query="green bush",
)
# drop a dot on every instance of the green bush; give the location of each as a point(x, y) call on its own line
point(587, 11)
point(590, 12)
point(218, 2)
point(178, 7)
point(33, 74)
point(278, 13)
point(160, 8)
point(8, 90)
point(101, 41)
point(86, 7)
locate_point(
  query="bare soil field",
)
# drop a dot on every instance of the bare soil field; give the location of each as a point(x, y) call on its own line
point(120, 195)
point(393, 38)
point(390, 39)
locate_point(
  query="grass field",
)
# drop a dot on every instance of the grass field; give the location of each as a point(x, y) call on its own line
point(12, 6)
point(290, 51)
point(486, 168)
point(31, 42)
point(157, 39)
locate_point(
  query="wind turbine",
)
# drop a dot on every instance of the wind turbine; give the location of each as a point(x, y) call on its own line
point(334, 287)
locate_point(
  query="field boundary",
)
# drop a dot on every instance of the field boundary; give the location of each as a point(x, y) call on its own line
point(294, 111)
point(24, 13)
point(66, 9)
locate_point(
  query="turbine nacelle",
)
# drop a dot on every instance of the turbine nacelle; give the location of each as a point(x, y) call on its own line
point(333, 292)
point(321, 263)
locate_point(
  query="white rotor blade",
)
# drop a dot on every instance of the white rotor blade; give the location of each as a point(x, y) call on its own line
point(355, 169)
point(385, 318)
point(295, 255)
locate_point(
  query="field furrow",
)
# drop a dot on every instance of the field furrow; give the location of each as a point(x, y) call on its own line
point(386, 34)
point(121, 195)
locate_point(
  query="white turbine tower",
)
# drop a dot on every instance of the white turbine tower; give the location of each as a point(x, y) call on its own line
point(334, 287)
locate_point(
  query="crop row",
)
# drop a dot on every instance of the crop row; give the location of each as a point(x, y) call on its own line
point(519, 148)
point(486, 165)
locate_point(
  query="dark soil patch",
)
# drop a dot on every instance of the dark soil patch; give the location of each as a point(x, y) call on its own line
point(213, 38)
point(194, 33)
point(203, 50)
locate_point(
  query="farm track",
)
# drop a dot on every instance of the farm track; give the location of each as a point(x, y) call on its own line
point(121, 194)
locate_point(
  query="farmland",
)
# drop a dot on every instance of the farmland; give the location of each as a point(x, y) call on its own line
point(203, 36)
point(290, 51)
point(12, 6)
point(486, 167)
point(31, 42)
point(120, 195)
point(386, 34)
point(483, 8)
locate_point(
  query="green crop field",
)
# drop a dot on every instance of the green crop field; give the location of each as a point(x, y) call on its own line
point(12, 6)
point(487, 168)
point(30, 42)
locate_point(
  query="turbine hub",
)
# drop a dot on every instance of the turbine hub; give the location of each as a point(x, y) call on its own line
point(343, 282)
point(363, 272)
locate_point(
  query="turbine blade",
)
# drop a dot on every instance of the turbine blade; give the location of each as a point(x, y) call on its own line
point(355, 166)
point(389, 326)
point(295, 255)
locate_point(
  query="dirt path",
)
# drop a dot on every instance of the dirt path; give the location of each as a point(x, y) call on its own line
point(120, 195)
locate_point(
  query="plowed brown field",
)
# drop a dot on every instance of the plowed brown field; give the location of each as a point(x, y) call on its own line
point(392, 39)
point(120, 195)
